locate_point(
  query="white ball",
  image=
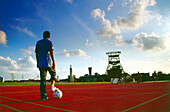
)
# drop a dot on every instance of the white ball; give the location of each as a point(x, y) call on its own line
point(57, 94)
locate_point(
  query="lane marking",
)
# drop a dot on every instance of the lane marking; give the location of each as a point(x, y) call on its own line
point(67, 89)
point(18, 92)
point(11, 108)
point(145, 102)
point(92, 87)
point(96, 100)
point(104, 98)
point(38, 104)
point(19, 101)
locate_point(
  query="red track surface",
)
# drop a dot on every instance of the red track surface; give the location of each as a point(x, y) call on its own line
point(132, 97)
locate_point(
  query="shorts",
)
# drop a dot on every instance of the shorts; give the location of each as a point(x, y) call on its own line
point(43, 72)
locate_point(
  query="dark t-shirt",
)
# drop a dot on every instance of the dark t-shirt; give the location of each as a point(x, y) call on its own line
point(43, 48)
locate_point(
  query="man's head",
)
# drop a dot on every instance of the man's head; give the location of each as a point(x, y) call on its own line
point(46, 35)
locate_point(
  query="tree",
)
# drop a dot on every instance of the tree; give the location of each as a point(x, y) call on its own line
point(96, 74)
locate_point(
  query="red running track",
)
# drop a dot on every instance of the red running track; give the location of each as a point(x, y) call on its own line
point(131, 97)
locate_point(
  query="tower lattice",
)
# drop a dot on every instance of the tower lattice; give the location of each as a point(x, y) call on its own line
point(114, 67)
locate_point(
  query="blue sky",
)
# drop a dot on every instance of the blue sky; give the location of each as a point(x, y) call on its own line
point(82, 32)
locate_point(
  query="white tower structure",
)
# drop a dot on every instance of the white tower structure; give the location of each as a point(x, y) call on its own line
point(71, 74)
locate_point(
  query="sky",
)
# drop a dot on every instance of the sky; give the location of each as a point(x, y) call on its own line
point(82, 32)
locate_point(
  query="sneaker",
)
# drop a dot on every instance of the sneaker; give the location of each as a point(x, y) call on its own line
point(44, 98)
point(54, 89)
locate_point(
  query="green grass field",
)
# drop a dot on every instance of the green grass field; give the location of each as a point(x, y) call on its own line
point(48, 83)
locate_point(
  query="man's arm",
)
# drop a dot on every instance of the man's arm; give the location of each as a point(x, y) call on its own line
point(52, 56)
point(37, 56)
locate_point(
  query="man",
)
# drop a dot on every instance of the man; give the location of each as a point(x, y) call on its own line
point(58, 80)
point(45, 62)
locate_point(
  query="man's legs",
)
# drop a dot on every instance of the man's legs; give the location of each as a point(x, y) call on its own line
point(53, 75)
point(52, 83)
point(43, 74)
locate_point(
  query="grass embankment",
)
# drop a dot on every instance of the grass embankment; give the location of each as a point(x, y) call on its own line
point(48, 83)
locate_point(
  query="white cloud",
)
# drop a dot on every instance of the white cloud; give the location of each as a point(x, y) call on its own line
point(119, 40)
point(28, 51)
point(24, 30)
point(21, 66)
point(3, 40)
point(18, 19)
point(159, 19)
point(109, 29)
point(69, 1)
point(110, 6)
point(125, 3)
point(152, 42)
point(97, 14)
point(138, 15)
point(76, 52)
point(22, 20)
point(88, 44)
point(9, 63)
point(27, 62)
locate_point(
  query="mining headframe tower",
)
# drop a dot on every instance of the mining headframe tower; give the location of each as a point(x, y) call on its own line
point(114, 68)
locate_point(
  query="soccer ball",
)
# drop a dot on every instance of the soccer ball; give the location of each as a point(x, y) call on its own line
point(57, 94)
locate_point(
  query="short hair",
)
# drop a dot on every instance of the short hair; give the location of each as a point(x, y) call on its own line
point(46, 34)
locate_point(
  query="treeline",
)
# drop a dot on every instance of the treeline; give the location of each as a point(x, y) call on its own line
point(128, 77)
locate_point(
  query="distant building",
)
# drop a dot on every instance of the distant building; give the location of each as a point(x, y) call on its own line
point(2, 79)
point(73, 79)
